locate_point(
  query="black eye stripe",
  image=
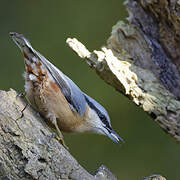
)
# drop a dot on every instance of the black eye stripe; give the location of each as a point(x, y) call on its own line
point(107, 126)
point(103, 119)
point(101, 116)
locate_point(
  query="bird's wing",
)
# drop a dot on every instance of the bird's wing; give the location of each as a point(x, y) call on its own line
point(71, 91)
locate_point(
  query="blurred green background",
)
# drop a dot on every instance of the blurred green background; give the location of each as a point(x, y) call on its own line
point(47, 24)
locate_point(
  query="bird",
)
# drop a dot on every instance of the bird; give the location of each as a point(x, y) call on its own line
point(57, 98)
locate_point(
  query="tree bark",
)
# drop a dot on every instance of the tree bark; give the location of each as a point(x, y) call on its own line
point(139, 62)
point(28, 149)
point(142, 60)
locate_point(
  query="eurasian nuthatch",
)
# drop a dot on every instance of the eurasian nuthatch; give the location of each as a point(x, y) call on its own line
point(58, 98)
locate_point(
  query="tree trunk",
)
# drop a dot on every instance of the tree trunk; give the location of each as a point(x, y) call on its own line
point(142, 60)
point(29, 151)
point(139, 62)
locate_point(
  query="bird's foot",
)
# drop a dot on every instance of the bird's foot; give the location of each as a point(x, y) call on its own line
point(60, 139)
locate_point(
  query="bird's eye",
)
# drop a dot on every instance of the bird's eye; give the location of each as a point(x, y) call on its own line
point(105, 122)
point(102, 117)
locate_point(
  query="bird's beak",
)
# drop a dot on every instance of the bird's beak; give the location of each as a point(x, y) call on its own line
point(114, 136)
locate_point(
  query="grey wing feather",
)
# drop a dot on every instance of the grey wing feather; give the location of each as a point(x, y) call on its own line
point(71, 91)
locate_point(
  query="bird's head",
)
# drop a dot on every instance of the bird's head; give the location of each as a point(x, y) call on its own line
point(100, 121)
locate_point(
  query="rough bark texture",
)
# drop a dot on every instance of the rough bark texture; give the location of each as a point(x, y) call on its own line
point(142, 60)
point(139, 63)
point(28, 149)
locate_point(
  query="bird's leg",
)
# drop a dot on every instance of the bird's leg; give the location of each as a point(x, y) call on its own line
point(60, 136)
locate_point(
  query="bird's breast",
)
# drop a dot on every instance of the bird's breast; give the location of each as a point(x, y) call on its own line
point(48, 99)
